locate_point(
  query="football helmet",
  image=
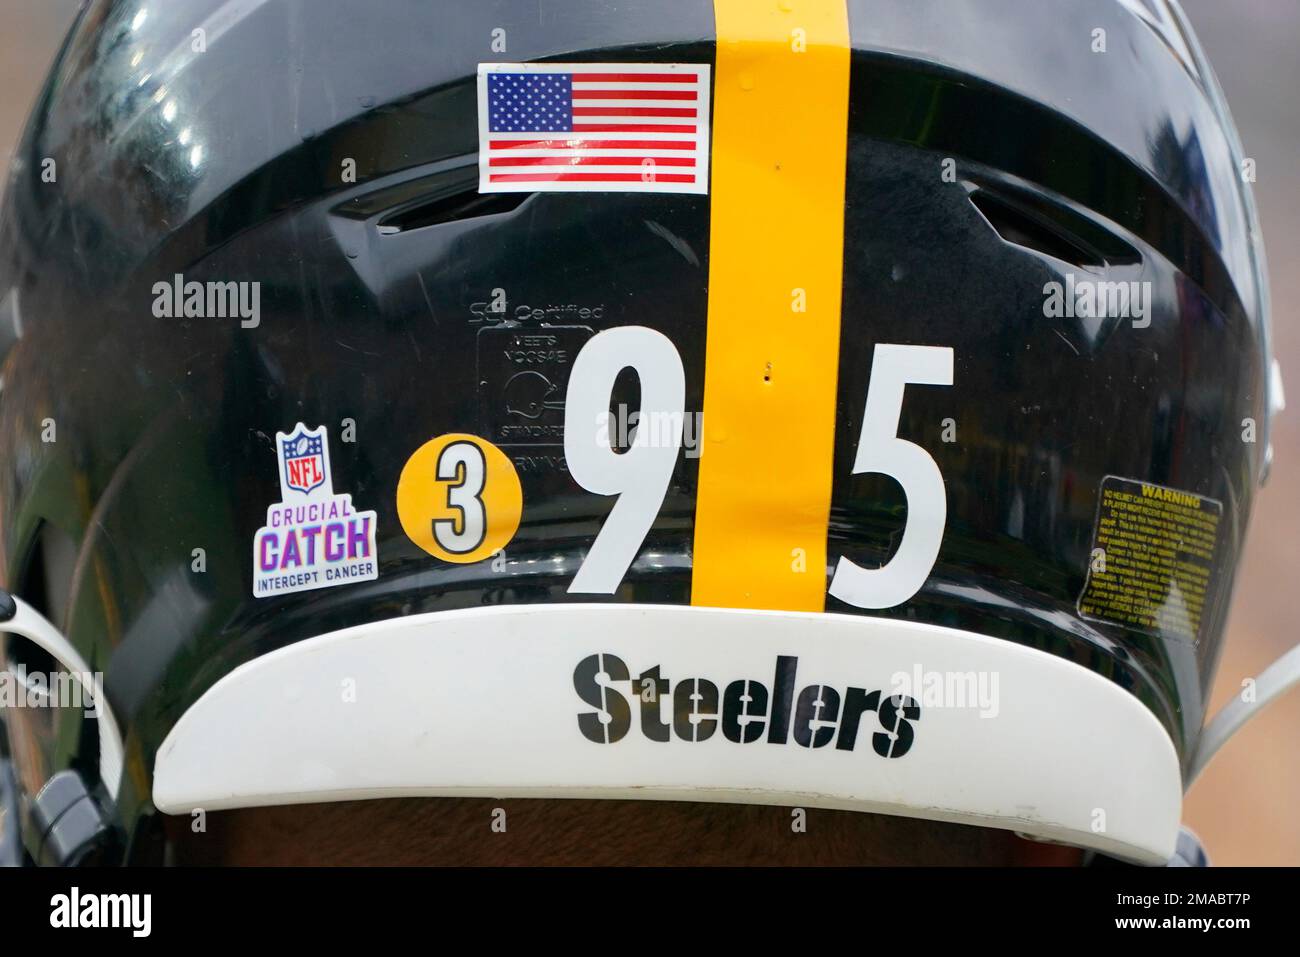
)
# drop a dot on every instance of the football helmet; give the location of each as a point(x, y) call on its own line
point(823, 402)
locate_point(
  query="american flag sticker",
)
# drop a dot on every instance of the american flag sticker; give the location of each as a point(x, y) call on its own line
point(593, 127)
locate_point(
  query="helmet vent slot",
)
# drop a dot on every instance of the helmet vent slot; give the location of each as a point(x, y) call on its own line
point(468, 204)
point(1054, 230)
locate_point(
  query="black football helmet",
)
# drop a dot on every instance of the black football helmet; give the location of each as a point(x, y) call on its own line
point(407, 398)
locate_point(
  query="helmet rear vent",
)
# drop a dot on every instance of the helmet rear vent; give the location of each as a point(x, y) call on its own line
point(1052, 229)
point(450, 209)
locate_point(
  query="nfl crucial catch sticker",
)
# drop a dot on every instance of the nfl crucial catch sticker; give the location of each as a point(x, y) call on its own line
point(312, 538)
point(593, 127)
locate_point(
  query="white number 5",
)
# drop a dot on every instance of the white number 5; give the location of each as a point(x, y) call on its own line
point(881, 450)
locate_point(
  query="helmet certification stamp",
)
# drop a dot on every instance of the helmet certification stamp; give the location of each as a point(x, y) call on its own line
point(459, 498)
point(312, 537)
point(523, 378)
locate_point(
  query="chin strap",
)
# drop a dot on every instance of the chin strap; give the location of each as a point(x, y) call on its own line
point(1281, 676)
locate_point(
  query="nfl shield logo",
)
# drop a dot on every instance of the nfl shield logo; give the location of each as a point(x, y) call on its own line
point(303, 458)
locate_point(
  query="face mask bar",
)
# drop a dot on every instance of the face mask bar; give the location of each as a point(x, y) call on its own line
point(65, 816)
point(1278, 678)
point(19, 618)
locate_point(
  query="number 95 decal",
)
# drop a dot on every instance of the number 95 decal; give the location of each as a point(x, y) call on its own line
point(459, 496)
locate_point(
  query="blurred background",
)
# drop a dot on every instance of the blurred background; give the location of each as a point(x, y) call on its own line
point(1246, 806)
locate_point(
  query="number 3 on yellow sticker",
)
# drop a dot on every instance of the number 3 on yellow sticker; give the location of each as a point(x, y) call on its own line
point(459, 498)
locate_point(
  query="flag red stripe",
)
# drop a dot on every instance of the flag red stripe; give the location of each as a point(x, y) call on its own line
point(634, 111)
point(635, 78)
point(590, 177)
point(591, 144)
point(630, 128)
point(635, 95)
point(590, 160)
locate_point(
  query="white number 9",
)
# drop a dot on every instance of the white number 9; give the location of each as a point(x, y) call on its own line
point(639, 476)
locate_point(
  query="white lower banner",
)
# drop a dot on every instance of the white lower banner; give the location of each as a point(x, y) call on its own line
point(693, 704)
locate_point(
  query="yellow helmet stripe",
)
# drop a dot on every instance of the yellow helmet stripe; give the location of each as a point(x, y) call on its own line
point(780, 122)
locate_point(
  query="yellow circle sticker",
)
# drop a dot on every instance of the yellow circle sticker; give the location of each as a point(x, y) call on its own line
point(459, 498)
